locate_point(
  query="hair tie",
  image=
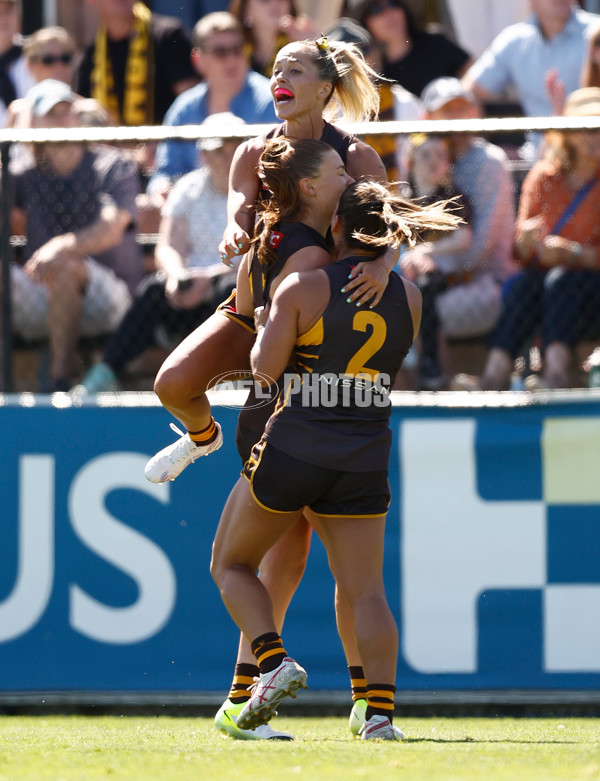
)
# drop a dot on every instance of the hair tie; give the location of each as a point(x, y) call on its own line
point(322, 43)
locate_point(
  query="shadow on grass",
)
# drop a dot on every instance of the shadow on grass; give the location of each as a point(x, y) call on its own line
point(492, 740)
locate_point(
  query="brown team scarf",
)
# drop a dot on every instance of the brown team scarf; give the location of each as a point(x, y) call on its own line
point(138, 100)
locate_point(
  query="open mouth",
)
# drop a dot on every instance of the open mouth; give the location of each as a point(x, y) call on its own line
point(283, 95)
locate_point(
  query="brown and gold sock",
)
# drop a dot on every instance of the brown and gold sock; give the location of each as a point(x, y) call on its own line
point(207, 435)
point(358, 683)
point(380, 700)
point(269, 651)
point(243, 678)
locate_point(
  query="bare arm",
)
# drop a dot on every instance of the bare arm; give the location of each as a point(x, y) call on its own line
point(363, 162)
point(243, 192)
point(305, 259)
point(299, 302)
point(275, 342)
point(102, 235)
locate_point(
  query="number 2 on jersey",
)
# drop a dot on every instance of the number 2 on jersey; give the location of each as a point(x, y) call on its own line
point(376, 324)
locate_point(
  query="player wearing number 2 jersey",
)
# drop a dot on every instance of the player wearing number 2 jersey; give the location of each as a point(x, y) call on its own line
point(345, 485)
point(351, 358)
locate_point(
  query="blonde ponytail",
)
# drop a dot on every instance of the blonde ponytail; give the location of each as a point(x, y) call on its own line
point(353, 79)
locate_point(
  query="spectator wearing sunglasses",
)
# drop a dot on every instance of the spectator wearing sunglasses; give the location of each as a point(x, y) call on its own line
point(49, 54)
point(411, 57)
point(219, 55)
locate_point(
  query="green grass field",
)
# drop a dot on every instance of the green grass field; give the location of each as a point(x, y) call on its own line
point(79, 747)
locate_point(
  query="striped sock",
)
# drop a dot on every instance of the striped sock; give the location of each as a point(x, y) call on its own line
point(269, 651)
point(243, 678)
point(207, 435)
point(380, 700)
point(358, 683)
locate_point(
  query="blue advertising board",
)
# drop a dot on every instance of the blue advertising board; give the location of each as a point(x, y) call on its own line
point(492, 560)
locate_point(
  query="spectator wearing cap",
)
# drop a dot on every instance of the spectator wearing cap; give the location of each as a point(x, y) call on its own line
point(470, 306)
point(81, 260)
point(536, 59)
point(15, 77)
point(191, 280)
point(396, 103)
point(411, 56)
point(229, 86)
point(138, 63)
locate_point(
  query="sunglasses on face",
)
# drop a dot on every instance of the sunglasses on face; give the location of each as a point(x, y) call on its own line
point(380, 6)
point(222, 52)
point(52, 59)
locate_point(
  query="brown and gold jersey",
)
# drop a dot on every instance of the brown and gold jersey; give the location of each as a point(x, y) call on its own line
point(345, 367)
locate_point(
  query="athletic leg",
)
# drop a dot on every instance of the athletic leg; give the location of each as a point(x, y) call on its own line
point(217, 349)
point(246, 532)
point(220, 346)
point(355, 548)
point(280, 571)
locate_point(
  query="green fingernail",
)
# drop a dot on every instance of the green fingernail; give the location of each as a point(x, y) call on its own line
point(343, 290)
point(348, 300)
point(358, 303)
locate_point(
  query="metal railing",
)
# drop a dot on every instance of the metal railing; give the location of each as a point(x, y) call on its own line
point(123, 135)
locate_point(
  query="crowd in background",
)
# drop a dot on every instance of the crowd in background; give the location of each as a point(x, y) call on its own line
point(522, 274)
